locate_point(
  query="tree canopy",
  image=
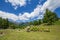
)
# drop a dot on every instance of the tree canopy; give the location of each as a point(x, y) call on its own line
point(50, 17)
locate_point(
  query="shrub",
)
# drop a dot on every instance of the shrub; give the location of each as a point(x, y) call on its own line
point(40, 29)
point(34, 29)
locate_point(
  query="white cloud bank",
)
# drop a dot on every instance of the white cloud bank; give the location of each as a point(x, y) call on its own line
point(50, 4)
point(8, 15)
point(25, 16)
point(15, 3)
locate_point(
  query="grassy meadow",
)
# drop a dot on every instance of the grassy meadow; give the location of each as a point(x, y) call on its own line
point(21, 34)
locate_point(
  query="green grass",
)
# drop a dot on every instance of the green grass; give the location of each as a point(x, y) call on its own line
point(57, 23)
point(17, 34)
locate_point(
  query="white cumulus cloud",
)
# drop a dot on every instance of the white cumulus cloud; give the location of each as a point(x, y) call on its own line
point(50, 4)
point(27, 16)
point(15, 3)
point(8, 15)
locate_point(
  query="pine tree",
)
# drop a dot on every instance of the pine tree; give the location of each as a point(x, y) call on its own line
point(50, 17)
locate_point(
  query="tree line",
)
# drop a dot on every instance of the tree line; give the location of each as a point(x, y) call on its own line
point(49, 19)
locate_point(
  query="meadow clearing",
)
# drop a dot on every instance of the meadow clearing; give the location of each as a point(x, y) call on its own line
point(21, 34)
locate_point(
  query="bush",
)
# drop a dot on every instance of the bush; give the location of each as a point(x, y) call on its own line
point(34, 29)
point(40, 29)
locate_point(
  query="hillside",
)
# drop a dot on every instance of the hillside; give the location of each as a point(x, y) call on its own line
point(17, 34)
point(46, 29)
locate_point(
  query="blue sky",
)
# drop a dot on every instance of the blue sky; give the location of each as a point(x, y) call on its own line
point(29, 7)
point(27, 10)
